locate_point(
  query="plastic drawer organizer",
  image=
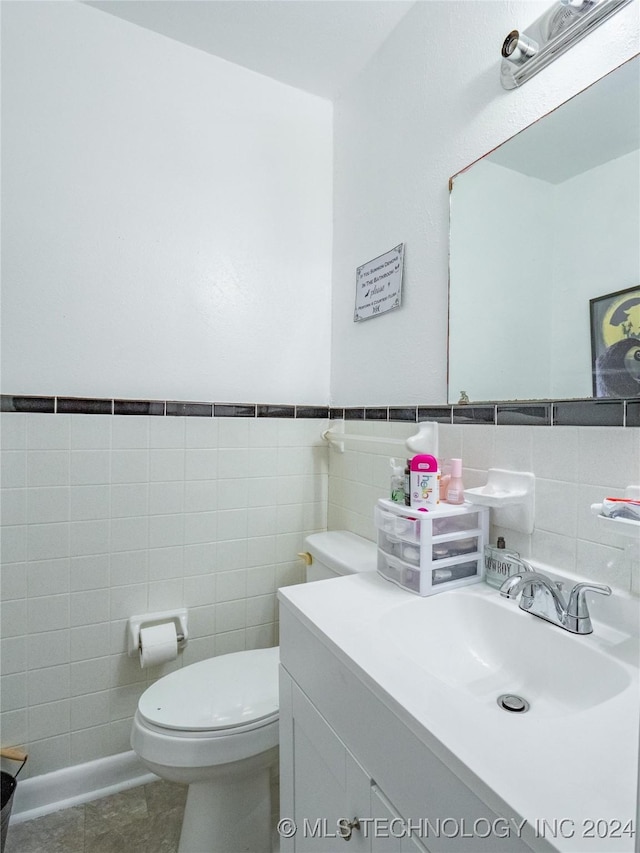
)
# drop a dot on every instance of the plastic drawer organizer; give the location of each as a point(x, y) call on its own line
point(428, 552)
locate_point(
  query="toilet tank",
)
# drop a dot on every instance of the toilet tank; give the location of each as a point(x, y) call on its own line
point(339, 552)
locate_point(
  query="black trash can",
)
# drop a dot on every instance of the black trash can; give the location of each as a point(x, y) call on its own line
point(9, 784)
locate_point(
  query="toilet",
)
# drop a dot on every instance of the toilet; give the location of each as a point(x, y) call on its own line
point(213, 725)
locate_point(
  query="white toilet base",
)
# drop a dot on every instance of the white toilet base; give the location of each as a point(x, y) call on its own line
point(228, 808)
point(231, 814)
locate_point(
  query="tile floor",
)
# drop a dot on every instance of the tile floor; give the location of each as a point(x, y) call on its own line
point(146, 819)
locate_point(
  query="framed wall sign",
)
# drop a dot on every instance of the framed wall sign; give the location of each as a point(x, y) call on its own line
point(379, 285)
point(615, 343)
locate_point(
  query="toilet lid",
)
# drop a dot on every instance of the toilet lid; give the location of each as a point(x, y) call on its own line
point(239, 689)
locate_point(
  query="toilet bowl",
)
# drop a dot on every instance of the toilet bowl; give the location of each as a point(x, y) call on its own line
point(213, 725)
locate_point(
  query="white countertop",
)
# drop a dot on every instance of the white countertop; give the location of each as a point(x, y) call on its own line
point(575, 767)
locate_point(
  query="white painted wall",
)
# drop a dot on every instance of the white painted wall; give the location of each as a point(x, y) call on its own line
point(428, 104)
point(166, 218)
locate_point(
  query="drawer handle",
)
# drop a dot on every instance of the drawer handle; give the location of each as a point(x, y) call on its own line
point(346, 827)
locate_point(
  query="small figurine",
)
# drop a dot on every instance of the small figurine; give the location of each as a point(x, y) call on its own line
point(464, 399)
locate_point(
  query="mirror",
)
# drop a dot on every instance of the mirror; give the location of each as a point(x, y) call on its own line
point(544, 252)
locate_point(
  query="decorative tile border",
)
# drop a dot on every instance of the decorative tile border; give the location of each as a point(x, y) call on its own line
point(188, 410)
point(589, 413)
point(474, 414)
point(276, 411)
point(46, 405)
point(83, 406)
point(397, 413)
point(352, 414)
point(376, 414)
point(441, 414)
point(312, 411)
point(529, 415)
point(162, 408)
point(633, 413)
point(544, 413)
point(138, 407)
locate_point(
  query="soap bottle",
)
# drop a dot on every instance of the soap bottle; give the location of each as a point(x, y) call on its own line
point(500, 563)
point(455, 492)
point(397, 482)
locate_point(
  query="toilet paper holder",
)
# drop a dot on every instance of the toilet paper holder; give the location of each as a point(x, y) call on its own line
point(179, 617)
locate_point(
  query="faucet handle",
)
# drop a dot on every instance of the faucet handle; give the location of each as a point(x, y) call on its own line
point(577, 607)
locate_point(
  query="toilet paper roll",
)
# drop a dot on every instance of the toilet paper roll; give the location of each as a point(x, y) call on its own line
point(158, 644)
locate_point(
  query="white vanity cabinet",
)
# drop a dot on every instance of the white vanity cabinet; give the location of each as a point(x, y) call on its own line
point(345, 753)
point(334, 795)
point(332, 790)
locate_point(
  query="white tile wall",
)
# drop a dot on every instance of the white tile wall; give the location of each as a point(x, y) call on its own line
point(574, 467)
point(104, 517)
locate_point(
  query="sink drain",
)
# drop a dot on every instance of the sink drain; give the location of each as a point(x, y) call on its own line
point(513, 703)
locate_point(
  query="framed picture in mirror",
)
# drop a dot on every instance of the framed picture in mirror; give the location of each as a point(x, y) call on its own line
point(615, 343)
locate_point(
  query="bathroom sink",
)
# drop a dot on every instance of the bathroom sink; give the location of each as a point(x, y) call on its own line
point(434, 668)
point(485, 646)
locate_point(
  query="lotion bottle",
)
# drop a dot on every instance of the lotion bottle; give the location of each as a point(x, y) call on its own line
point(455, 492)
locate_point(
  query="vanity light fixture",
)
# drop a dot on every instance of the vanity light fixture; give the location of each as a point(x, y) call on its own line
point(559, 28)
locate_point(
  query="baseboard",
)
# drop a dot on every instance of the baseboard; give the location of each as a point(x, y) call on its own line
point(81, 783)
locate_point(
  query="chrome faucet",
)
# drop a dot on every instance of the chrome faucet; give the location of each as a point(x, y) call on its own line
point(543, 597)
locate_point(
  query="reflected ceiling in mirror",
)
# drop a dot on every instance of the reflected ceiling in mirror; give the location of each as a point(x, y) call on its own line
point(542, 225)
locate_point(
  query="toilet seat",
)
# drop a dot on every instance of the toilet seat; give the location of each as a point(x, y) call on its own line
point(205, 698)
point(220, 696)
